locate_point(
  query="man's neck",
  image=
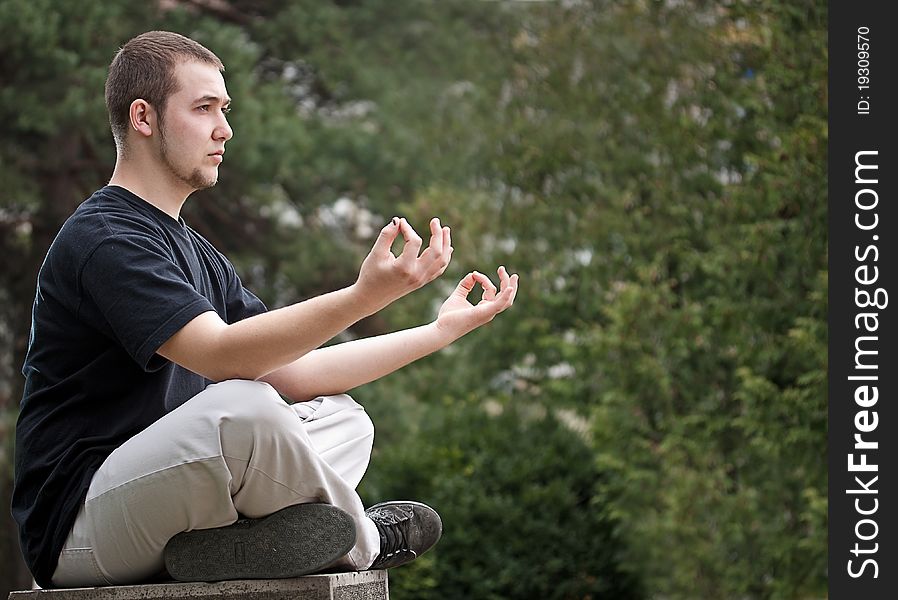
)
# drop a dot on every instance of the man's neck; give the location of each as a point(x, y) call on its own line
point(156, 188)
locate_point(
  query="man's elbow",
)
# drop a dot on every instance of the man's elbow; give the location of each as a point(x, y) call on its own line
point(222, 364)
point(216, 373)
point(209, 347)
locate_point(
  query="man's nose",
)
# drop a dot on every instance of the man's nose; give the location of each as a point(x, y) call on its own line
point(223, 131)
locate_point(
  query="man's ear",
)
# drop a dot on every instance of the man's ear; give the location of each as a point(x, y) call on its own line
point(142, 117)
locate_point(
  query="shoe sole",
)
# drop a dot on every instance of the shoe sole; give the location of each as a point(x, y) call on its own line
point(295, 541)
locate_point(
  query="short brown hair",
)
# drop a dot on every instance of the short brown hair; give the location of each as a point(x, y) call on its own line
point(144, 68)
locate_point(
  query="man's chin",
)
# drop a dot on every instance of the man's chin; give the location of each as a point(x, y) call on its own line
point(199, 182)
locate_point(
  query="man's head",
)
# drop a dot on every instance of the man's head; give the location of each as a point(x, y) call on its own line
point(165, 93)
point(145, 68)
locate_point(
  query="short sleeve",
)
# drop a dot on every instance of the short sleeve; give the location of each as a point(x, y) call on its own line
point(242, 303)
point(134, 289)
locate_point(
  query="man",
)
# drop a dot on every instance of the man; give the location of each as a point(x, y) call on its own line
point(153, 417)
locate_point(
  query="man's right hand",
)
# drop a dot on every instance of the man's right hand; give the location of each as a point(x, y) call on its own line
point(385, 277)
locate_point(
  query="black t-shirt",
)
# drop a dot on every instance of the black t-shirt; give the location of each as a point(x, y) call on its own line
point(119, 279)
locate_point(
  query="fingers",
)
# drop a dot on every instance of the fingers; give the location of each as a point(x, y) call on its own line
point(438, 254)
point(446, 251)
point(513, 287)
point(446, 255)
point(493, 303)
point(466, 285)
point(436, 236)
point(489, 290)
point(492, 299)
point(434, 260)
point(503, 277)
point(447, 240)
point(413, 241)
point(508, 284)
point(386, 238)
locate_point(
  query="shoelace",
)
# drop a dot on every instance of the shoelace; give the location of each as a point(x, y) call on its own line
point(393, 535)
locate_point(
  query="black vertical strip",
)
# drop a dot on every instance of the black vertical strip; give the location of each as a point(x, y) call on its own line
point(863, 300)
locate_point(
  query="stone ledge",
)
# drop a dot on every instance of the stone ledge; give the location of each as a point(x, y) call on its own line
point(363, 585)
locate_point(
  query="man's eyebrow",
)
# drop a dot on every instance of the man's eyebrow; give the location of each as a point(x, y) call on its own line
point(213, 99)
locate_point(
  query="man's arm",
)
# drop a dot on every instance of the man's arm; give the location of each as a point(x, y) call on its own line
point(336, 369)
point(254, 347)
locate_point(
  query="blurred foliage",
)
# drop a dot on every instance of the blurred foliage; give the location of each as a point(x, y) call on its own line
point(515, 489)
point(650, 417)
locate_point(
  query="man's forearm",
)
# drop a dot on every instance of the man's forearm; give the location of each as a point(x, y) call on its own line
point(336, 369)
point(261, 344)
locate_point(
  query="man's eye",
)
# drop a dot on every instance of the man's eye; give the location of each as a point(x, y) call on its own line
point(204, 107)
point(226, 109)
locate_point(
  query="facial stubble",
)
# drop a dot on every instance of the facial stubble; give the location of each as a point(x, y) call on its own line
point(195, 179)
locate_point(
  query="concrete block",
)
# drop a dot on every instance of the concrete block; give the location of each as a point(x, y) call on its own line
point(363, 585)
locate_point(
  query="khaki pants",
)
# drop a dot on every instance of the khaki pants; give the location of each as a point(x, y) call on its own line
point(236, 447)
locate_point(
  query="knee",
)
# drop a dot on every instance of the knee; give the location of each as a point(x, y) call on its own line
point(355, 417)
point(362, 423)
point(243, 401)
point(253, 420)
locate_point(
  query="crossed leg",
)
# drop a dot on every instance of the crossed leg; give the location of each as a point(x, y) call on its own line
point(235, 449)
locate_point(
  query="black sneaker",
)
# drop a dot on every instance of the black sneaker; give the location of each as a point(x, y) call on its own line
point(297, 540)
point(407, 530)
